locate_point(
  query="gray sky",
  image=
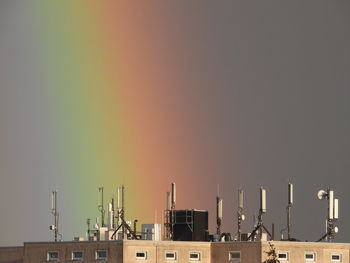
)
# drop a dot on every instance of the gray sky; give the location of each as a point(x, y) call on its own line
point(270, 85)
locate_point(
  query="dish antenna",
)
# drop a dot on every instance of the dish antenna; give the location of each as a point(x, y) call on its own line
point(322, 194)
point(332, 214)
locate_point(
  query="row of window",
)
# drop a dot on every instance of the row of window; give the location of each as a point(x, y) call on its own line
point(169, 255)
point(102, 255)
point(77, 255)
point(309, 257)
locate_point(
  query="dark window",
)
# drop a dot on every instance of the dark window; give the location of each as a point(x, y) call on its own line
point(101, 255)
point(194, 256)
point(52, 256)
point(234, 256)
point(77, 255)
point(141, 255)
point(283, 256)
point(170, 255)
point(336, 258)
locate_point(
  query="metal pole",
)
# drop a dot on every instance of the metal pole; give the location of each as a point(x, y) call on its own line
point(288, 221)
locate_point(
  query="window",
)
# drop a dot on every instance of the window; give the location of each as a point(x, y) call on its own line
point(195, 256)
point(52, 256)
point(336, 257)
point(170, 255)
point(283, 256)
point(310, 257)
point(234, 256)
point(77, 255)
point(101, 255)
point(141, 255)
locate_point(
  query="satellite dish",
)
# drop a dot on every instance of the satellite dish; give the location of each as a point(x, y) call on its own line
point(336, 229)
point(321, 194)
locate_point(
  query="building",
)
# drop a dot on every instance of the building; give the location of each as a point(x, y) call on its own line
point(144, 251)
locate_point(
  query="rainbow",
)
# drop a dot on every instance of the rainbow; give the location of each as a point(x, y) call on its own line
point(117, 117)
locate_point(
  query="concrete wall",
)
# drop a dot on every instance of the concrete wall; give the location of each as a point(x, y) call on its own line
point(297, 250)
point(37, 252)
point(156, 251)
point(217, 252)
point(250, 251)
point(11, 254)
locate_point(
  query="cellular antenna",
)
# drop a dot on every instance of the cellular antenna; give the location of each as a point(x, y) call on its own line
point(260, 226)
point(55, 214)
point(121, 217)
point(172, 213)
point(167, 215)
point(240, 215)
point(100, 206)
point(218, 215)
point(288, 210)
point(173, 196)
point(332, 214)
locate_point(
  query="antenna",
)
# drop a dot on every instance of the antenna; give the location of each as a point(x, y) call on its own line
point(55, 214)
point(100, 206)
point(288, 209)
point(218, 214)
point(240, 215)
point(290, 194)
point(332, 214)
point(336, 209)
point(121, 217)
point(88, 228)
point(110, 215)
point(330, 204)
point(262, 200)
point(173, 196)
point(167, 215)
point(168, 201)
point(240, 198)
point(322, 194)
point(260, 226)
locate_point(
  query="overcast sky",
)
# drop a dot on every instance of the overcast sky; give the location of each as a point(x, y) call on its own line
point(270, 85)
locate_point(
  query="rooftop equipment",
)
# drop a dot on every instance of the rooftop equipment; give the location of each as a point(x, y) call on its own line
point(55, 214)
point(288, 209)
point(218, 215)
point(240, 215)
point(123, 224)
point(190, 225)
point(260, 226)
point(169, 215)
point(100, 205)
point(173, 196)
point(332, 215)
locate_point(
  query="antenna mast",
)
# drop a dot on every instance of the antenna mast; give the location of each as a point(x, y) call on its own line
point(55, 214)
point(260, 226)
point(218, 214)
point(289, 206)
point(240, 215)
point(121, 218)
point(332, 215)
point(101, 207)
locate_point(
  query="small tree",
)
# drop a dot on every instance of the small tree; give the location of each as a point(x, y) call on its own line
point(271, 255)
